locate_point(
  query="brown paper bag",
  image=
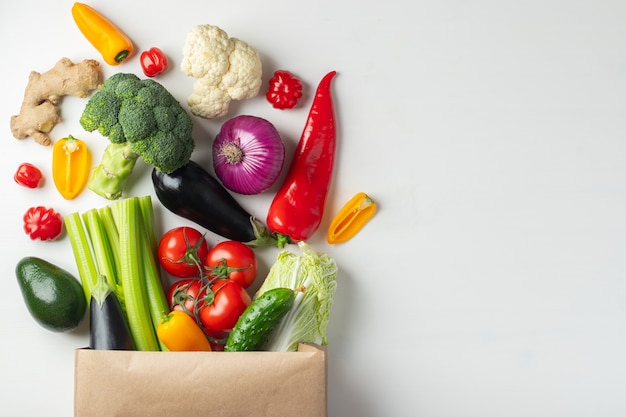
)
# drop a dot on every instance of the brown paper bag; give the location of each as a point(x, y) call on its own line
point(207, 384)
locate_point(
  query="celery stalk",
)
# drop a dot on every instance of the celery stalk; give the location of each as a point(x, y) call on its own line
point(110, 228)
point(132, 240)
point(108, 222)
point(104, 237)
point(103, 253)
point(154, 287)
point(82, 253)
point(147, 211)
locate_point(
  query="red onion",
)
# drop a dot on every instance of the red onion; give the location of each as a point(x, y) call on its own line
point(248, 154)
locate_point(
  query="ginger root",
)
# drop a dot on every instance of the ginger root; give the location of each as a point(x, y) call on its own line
point(40, 112)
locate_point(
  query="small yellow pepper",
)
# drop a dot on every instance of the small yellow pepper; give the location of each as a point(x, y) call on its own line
point(179, 332)
point(110, 41)
point(351, 218)
point(71, 165)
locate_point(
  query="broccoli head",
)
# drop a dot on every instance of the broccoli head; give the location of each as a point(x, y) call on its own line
point(141, 119)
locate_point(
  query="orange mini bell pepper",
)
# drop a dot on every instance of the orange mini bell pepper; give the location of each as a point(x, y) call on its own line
point(179, 332)
point(71, 165)
point(110, 41)
point(351, 218)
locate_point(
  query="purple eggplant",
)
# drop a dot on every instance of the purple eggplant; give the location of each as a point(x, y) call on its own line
point(194, 194)
point(108, 328)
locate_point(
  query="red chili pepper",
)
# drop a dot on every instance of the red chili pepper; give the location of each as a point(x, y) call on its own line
point(42, 223)
point(28, 175)
point(153, 62)
point(285, 90)
point(297, 208)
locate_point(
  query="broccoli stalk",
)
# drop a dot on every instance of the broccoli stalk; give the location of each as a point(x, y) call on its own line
point(141, 120)
point(110, 176)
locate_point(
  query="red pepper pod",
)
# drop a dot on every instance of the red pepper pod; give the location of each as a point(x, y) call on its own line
point(284, 91)
point(28, 175)
point(153, 62)
point(297, 208)
point(42, 223)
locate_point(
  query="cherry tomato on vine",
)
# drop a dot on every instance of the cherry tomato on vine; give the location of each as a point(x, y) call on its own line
point(216, 305)
point(181, 251)
point(230, 301)
point(182, 295)
point(233, 260)
point(187, 295)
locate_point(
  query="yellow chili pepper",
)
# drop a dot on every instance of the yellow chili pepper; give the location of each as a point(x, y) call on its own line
point(71, 165)
point(179, 332)
point(351, 218)
point(111, 42)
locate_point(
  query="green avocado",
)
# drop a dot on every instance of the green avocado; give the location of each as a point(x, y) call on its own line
point(53, 296)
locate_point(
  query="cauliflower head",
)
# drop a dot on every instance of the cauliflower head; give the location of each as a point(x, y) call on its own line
point(225, 69)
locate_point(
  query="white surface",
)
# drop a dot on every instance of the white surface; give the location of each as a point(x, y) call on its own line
point(491, 283)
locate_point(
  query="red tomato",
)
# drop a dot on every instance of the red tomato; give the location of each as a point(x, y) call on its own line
point(233, 260)
point(187, 295)
point(217, 308)
point(230, 301)
point(183, 294)
point(181, 251)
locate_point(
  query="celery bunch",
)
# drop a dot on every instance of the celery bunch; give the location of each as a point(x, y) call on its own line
point(118, 241)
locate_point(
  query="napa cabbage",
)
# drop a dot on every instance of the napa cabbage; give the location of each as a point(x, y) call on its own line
point(313, 276)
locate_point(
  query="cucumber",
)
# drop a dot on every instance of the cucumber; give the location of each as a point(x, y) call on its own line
point(258, 321)
point(53, 296)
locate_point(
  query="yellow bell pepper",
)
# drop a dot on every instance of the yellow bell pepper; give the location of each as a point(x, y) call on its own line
point(351, 218)
point(71, 165)
point(179, 332)
point(110, 41)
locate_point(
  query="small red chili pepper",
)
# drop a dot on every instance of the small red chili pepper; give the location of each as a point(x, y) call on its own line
point(28, 175)
point(297, 208)
point(42, 223)
point(153, 62)
point(285, 90)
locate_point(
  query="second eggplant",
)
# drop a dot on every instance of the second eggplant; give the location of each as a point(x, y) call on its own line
point(194, 194)
point(108, 328)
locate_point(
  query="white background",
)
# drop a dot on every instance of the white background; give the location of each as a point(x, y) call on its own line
point(492, 281)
